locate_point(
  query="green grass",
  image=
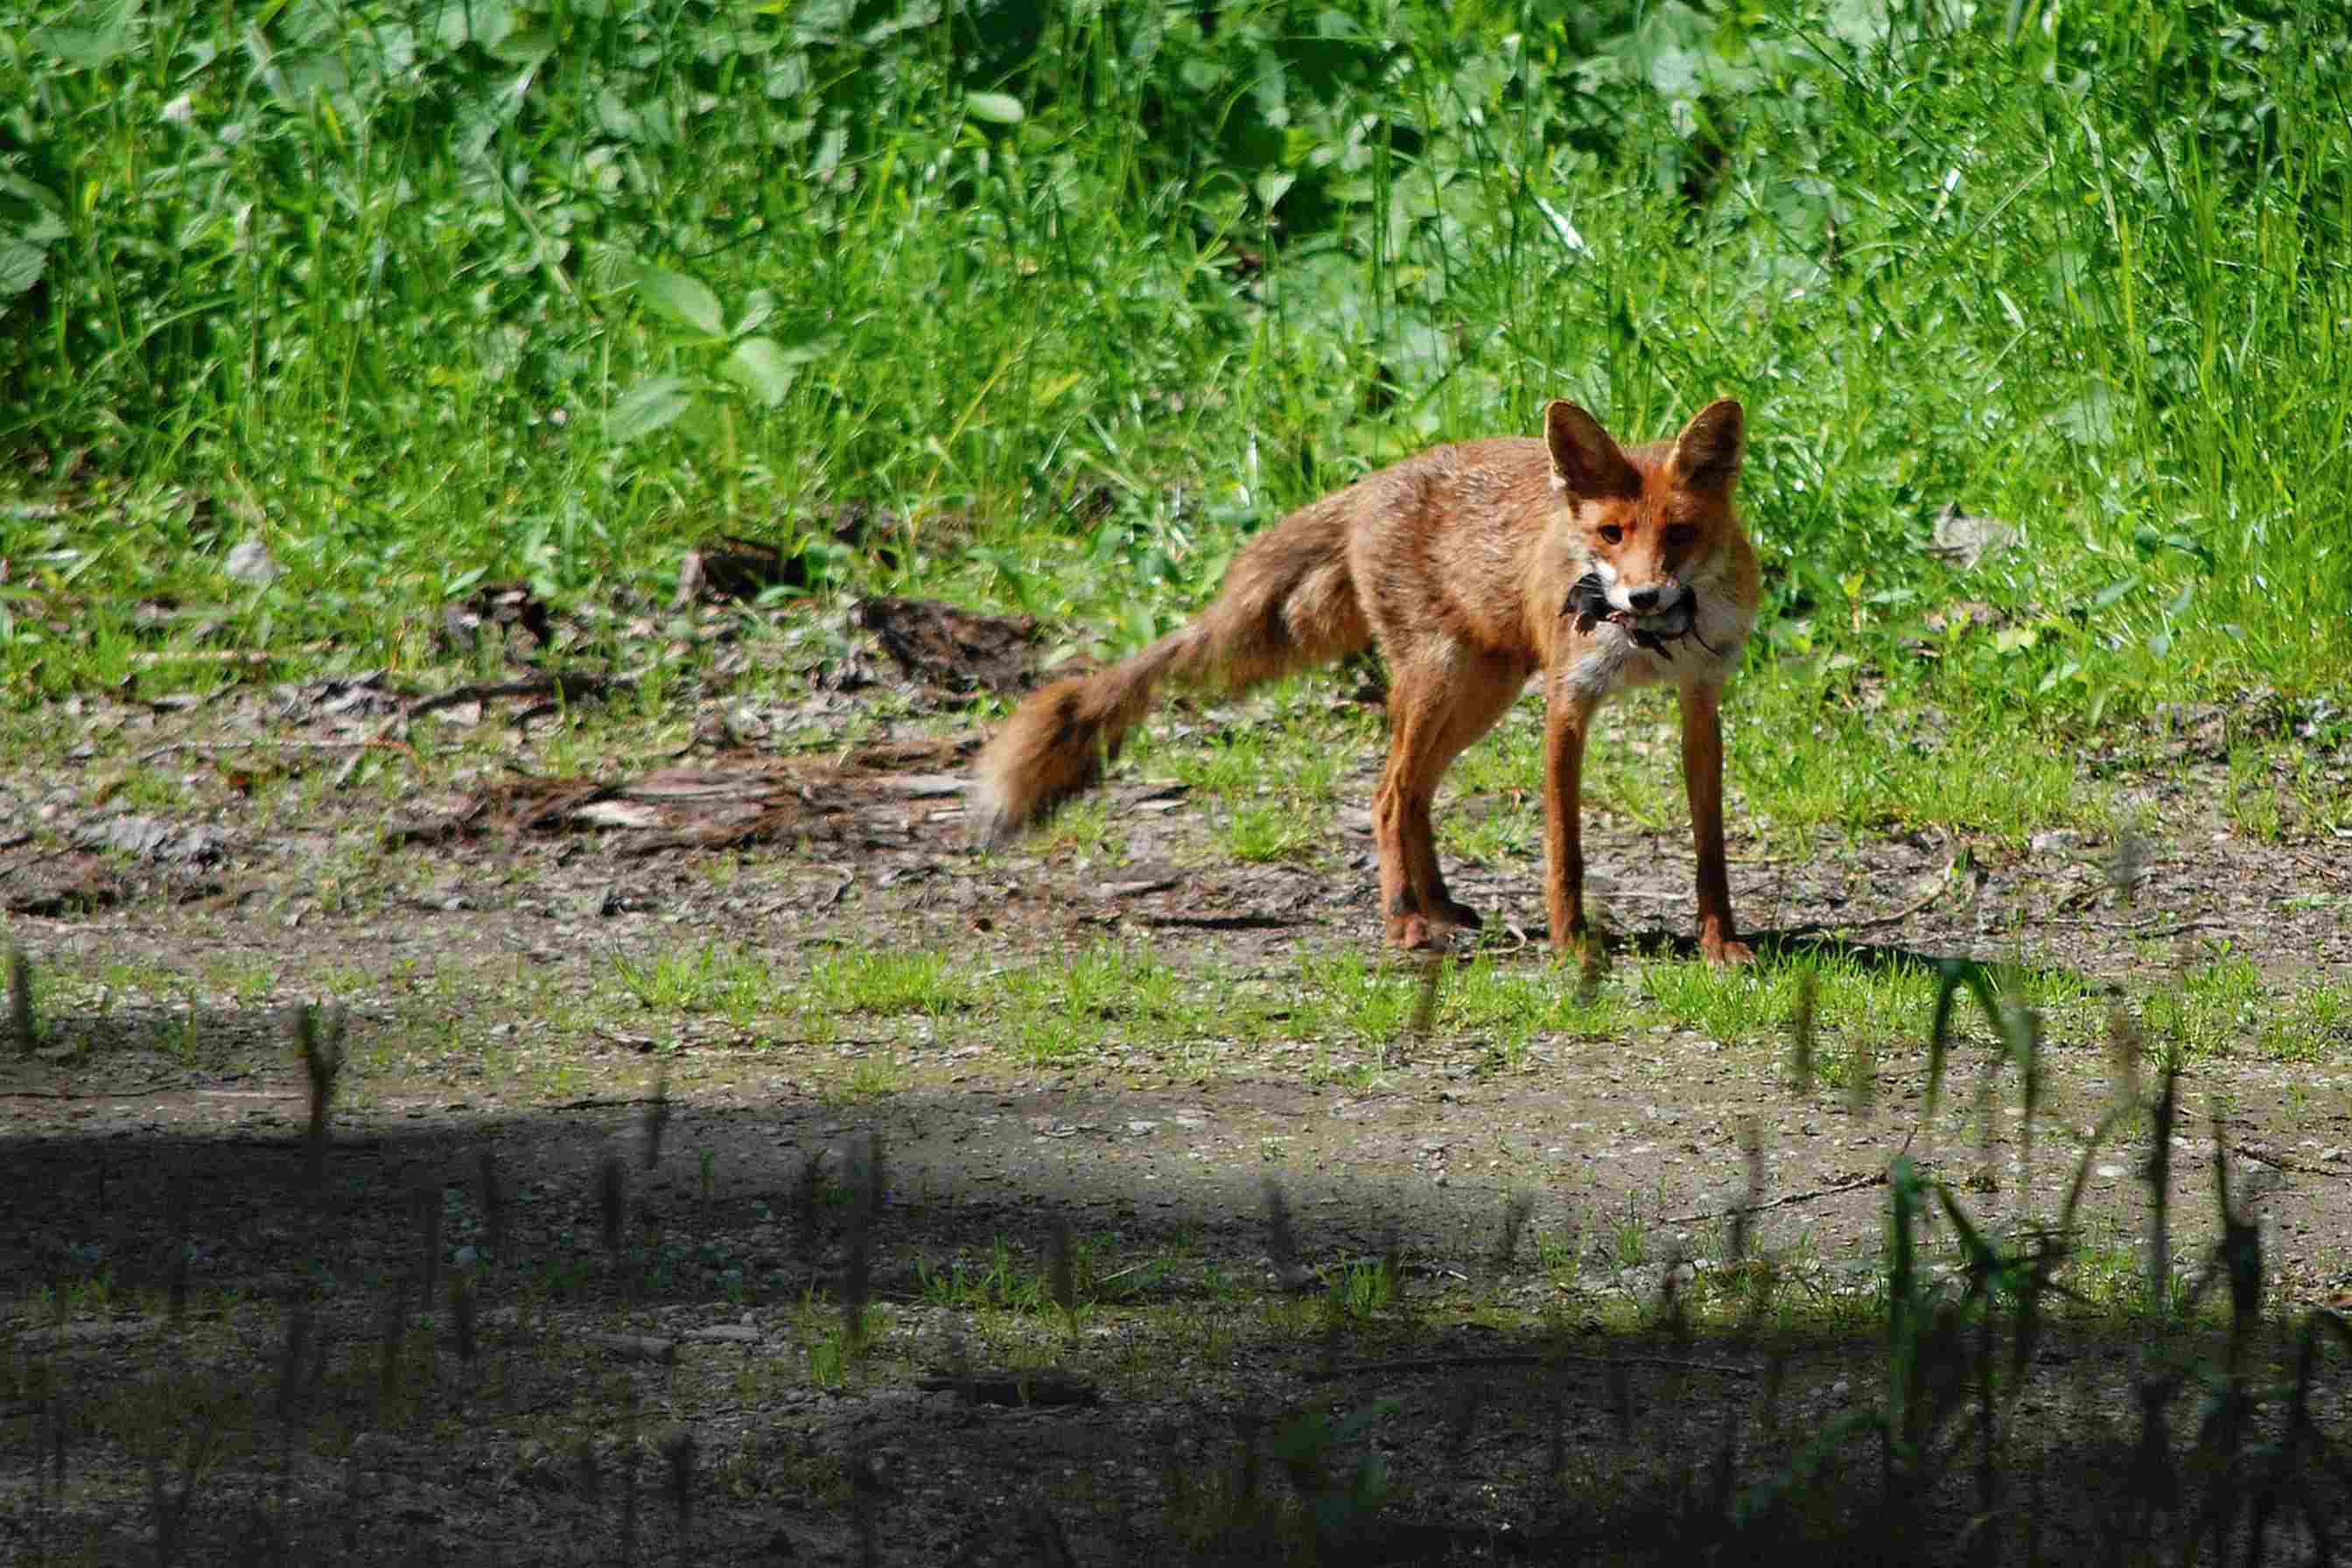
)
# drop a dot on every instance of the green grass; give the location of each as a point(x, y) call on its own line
point(729, 982)
point(447, 295)
point(1109, 995)
point(1353, 1008)
point(1273, 781)
point(2215, 1006)
point(749, 991)
point(868, 1078)
point(1084, 827)
point(886, 983)
point(1000, 1279)
point(1275, 831)
point(2222, 1004)
point(1297, 756)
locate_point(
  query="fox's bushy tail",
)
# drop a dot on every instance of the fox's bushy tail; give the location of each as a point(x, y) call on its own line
point(1288, 602)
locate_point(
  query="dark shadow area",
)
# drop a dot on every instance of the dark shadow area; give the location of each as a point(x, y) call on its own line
point(551, 1337)
point(1770, 946)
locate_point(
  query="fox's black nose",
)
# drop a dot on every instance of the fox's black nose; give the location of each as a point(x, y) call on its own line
point(1643, 600)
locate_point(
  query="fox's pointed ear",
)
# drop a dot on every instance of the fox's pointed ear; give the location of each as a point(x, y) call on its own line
point(1707, 452)
point(1584, 459)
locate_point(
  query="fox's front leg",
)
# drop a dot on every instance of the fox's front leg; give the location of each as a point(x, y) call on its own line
point(1567, 717)
point(1703, 782)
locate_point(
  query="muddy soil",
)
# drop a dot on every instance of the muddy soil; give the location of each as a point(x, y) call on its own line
point(654, 1227)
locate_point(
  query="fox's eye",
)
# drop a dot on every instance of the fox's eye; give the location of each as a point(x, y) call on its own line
point(1680, 535)
point(1614, 534)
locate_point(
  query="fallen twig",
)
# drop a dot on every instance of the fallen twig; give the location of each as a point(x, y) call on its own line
point(255, 746)
point(2139, 928)
point(1897, 918)
point(564, 686)
point(2281, 1163)
point(1528, 1358)
point(1877, 1179)
point(151, 658)
point(572, 688)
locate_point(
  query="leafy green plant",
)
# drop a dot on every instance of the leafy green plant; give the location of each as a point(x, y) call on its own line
point(506, 289)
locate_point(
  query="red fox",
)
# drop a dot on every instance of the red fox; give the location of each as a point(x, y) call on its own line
point(1470, 567)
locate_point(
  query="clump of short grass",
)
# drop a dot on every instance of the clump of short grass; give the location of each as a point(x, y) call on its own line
point(2314, 1023)
point(868, 1078)
point(1083, 827)
point(886, 983)
point(1274, 831)
point(1845, 999)
point(710, 977)
point(2213, 1004)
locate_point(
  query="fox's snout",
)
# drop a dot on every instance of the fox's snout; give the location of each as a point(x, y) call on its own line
point(1647, 599)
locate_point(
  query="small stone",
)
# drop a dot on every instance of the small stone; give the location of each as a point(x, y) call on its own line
point(252, 562)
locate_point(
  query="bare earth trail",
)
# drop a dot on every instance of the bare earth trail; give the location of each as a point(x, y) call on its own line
point(162, 1119)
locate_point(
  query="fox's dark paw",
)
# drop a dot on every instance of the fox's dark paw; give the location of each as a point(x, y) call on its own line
point(1461, 915)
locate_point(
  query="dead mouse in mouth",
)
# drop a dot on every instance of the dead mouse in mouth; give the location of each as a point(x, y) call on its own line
point(1587, 601)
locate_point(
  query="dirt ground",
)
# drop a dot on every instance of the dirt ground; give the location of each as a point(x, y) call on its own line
point(675, 1266)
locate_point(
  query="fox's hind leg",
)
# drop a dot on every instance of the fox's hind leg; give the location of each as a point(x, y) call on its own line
point(1437, 707)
